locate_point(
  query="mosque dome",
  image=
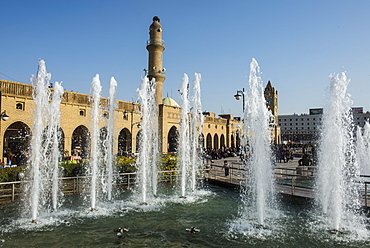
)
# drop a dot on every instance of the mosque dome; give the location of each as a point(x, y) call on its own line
point(169, 101)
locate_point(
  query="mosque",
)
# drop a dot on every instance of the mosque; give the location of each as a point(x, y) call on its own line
point(17, 110)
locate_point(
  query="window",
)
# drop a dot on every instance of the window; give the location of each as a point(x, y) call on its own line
point(19, 105)
point(82, 112)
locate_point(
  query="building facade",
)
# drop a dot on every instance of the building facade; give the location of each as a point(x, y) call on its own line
point(305, 128)
point(16, 101)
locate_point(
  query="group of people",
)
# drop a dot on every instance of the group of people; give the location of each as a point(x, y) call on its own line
point(221, 153)
point(284, 153)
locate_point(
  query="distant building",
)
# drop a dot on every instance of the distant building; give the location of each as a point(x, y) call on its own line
point(305, 128)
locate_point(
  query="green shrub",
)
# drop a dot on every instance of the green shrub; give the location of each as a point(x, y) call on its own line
point(125, 164)
point(168, 164)
point(10, 174)
point(73, 168)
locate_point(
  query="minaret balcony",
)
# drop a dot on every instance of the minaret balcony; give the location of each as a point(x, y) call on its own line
point(155, 42)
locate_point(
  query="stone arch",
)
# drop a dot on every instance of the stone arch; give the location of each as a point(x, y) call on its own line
point(138, 140)
point(16, 142)
point(238, 141)
point(172, 139)
point(232, 141)
point(103, 133)
point(209, 141)
point(215, 141)
point(61, 141)
point(60, 137)
point(124, 142)
point(201, 140)
point(81, 142)
point(222, 140)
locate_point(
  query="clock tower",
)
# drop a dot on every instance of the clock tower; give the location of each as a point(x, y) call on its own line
point(271, 96)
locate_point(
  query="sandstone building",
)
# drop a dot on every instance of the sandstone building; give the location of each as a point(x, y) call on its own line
point(17, 103)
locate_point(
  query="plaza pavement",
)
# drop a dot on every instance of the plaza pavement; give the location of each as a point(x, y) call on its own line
point(285, 173)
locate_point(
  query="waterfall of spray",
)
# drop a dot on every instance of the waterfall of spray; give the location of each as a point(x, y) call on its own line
point(36, 166)
point(95, 136)
point(184, 152)
point(257, 134)
point(363, 149)
point(110, 136)
point(54, 135)
point(337, 192)
point(197, 121)
point(148, 146)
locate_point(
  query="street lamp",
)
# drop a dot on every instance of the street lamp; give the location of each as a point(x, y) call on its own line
point(4, 116)
point(240, 94)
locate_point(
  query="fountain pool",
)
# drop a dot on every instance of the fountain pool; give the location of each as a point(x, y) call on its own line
point(213, 210)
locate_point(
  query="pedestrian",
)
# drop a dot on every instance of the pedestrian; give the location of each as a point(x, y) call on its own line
point(226, 167)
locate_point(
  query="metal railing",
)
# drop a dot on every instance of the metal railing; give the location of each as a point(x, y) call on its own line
point(297, 181)
point(13, 191)
point(10, 191)
point(292, 180)
point(155, 42)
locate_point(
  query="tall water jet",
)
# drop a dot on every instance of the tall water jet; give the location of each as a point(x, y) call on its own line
point(257, 134)
point(184, 149)
point(197, 121)
point(110, 137)
point(95, 137)
point(363, 149)
point(43, 164)
point(148, 147)
point(337, 168)
point(54, 135)
point(36, 166)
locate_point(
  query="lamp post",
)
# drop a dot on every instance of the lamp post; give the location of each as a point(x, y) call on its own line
point(240, 94)
point(4, 116)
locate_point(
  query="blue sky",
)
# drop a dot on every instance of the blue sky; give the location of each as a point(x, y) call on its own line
point(297, 44)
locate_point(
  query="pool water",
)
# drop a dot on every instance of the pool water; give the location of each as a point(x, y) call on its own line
point(162, 223)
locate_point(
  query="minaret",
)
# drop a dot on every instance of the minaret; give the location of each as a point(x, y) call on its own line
point(155, 47)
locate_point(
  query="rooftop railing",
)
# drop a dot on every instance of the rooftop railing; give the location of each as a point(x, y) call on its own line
point(155, 42)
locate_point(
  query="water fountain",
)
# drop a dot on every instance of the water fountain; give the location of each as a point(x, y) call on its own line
point(95, 137)
point(197, 120)
point(53, 137)
point(164, 225)
point(189, 147)
point(44, 144)
point(257, 135)
point(338, 170)
point(184, 151)
point(108, 143)
point(148, 151)
point(363, 149)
